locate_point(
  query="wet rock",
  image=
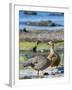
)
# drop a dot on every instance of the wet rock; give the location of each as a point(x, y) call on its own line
point(30, 12)
point(46, 73)
point(61, 68)
point(27, 77)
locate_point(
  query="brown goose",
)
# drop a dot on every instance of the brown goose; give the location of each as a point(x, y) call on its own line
point(53, 56)
point(41, 62)
point(38, 62)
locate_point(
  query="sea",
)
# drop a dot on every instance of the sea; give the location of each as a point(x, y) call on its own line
point(56, 17)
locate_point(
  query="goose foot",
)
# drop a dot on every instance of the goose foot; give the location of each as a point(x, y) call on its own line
point(38, 74)
point(53, 73)
point(46, 73)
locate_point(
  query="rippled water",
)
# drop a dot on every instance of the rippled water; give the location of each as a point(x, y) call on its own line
point(41, 16)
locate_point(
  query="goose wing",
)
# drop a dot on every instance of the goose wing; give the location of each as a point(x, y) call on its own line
point(55, 60)
point(41, 62)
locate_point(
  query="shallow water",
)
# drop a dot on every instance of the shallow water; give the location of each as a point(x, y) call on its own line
point(29, 73)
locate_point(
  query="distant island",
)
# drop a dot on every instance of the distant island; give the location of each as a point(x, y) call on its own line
point(41, 23)
point(30, 12)
point(44, 35)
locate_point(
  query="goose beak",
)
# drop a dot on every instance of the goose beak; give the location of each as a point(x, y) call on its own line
point(48, 43)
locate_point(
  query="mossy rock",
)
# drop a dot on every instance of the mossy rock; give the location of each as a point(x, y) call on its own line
point(23, 58)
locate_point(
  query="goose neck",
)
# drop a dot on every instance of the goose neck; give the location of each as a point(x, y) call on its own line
point(52, 49)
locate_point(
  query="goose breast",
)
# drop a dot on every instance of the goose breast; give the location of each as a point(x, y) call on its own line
point(40, 62)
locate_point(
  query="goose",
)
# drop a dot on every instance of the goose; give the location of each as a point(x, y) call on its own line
point(35, 47)
point(53, 55)
point(25, 30)
point(38, 62)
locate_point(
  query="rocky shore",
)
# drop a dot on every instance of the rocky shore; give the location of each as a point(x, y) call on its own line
point(43, 35)
point(41, 23)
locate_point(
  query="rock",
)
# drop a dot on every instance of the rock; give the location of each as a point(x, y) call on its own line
point(30, 12)
point(46, 73)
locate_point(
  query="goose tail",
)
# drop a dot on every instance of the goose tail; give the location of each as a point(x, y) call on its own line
point(25, 63)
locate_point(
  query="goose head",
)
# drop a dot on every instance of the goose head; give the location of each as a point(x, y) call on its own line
point(35, 47)
point(38, 42)
point(51, 43)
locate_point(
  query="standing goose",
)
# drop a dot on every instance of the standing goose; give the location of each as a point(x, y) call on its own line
point(38, 62)
point(35, 47)
point(41, 62)
point(53, 56)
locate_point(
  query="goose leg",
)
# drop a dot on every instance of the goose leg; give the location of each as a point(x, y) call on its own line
point(52, 71)
point(57, 72)
point(38, 73)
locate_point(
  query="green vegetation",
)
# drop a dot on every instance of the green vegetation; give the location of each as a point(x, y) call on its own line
point(23, 58)
point(28, 45)
point(59, 44)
